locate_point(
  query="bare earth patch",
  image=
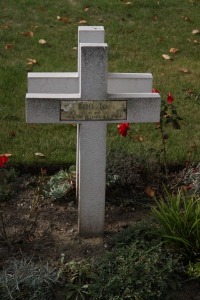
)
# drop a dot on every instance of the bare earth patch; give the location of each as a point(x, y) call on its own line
point(42, 229)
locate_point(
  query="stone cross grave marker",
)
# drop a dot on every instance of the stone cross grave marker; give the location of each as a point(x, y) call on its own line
point(91, 98)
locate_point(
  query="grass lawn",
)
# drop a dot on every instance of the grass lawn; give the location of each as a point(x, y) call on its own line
point(138, 33)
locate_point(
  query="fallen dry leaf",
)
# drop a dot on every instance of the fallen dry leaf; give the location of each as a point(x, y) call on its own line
point(86, 9)
point(31, 61)
point(166, 56)
point(39, 154)
point(8, 46)
point(187, 19)
point(75, 48)
point(195, 31)
point(4, 26)
point(28, 33)
point(63, 19)
point(196, 42)
point(127, 3)
point(174, 50)
point(6, 154)
point(154, 18)
point(82, 22)
point(150, 192)
point(139, 138)
point(184, 70)
point(42, 42)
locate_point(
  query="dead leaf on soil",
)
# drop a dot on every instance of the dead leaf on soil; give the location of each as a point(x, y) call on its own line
point(150, 192)
point(42, 42)
point(28, 33)
point(128, 3)
point(166, 56)
point(8, 46)
point(39, 154)
point(82, 22)
point(174, 50)
point(184, 70)
point(31, 61)
point(195, 31)
point(86, 9)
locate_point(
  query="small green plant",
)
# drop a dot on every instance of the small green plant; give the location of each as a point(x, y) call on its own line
point(25, 280)
point(78, 276)
point(194, 270)
point(179, 219)
point(60, 184)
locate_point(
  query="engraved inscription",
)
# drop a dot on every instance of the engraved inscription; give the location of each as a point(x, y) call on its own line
point(93, 110)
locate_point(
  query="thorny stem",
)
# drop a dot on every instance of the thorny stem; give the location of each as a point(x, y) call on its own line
point(164, 148)
point(4, 233)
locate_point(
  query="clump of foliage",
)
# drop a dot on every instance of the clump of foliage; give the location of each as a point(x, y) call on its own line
point(26, 280)
point(138, 267)
point(192, 179)
point(132, 169)
point(194, 270)
point(179, 218)
point(60, 184)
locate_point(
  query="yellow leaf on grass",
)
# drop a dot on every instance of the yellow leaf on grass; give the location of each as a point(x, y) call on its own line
point(174, 50)
point(166, 56)
point(31, 61)
point(86, 9)
point(28, 33)
point(39, 154)
point(196, 42)
point(82, 22)
point(42, 42)
point(196, 31)
point(150, 192)
point(127, 3)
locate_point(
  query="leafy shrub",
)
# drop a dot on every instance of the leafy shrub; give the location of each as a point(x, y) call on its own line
point(138, 268)
point(132, 169)
point(179, 220)
point(134, 273)
point(25, 280)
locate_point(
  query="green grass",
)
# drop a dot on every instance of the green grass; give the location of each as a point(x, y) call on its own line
point(136, 41)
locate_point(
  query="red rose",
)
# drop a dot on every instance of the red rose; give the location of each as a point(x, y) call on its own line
point(123, 128)
point(3, 160)
point(170, 98)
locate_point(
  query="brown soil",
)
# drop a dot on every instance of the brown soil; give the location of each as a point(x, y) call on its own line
point(41, 229)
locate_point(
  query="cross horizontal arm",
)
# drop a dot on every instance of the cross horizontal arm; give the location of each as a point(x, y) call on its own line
point(46, 108)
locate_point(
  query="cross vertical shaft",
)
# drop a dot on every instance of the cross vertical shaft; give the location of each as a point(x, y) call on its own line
point(92, 146)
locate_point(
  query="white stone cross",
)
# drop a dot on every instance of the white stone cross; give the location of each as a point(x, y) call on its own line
point(78, 98)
